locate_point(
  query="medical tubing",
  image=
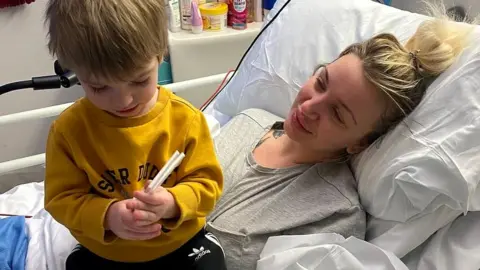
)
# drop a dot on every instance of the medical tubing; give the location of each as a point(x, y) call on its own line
point(205, 104)
point(244, 55)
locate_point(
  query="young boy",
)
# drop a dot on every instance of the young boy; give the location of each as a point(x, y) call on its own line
point(103, 150)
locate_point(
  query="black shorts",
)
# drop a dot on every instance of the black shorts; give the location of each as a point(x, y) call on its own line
point(202, 252)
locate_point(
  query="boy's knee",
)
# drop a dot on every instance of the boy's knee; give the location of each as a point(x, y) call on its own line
point(213, 243)
point(74, 260)
point(79, 258)
point(210, 255)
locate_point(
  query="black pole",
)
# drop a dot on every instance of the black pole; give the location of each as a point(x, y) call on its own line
point(64, 78)
point(15, 86)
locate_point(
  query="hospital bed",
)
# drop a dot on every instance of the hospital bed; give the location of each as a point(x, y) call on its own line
point(419, 183)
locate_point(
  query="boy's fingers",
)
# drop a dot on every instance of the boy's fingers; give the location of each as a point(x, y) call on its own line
point(148, 183)
point(140, 215)
point(146, 188)
point(132, 225)
point(150, 228)
point(142, 223)
point(139, 205)
point(130, 205)
point(128, 223)
point(146, 229)
point(127, 217)
point(154, 198)
point(132, 235)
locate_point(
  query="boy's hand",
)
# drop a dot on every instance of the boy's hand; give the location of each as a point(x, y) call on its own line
point(121, 221)
point(149, 208)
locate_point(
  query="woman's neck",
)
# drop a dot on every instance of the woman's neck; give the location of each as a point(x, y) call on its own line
point(301, 154)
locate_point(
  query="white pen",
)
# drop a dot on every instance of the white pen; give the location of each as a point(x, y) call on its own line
point(166, 170)
point(169, 169)
point(162, 170)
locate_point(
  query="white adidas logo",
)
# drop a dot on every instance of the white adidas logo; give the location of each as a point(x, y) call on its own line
point(199, 253)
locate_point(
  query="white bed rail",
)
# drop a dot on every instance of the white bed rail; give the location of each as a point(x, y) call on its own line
point(16, 164)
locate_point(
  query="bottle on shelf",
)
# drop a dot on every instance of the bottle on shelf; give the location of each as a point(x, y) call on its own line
point(197, 23)
point(237, 14)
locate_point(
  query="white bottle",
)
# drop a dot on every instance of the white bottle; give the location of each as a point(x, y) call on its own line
point(173, 11)
point(185, 11)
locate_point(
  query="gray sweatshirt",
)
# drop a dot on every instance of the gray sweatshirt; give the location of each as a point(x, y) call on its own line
point(259, 202)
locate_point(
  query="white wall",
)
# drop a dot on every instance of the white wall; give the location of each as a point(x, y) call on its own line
point(472, 6)
point(23, 54)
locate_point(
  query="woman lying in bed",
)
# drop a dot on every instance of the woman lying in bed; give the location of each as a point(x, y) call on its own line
point(291, 177)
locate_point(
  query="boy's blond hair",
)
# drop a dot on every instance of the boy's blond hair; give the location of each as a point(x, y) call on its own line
point(107, 38)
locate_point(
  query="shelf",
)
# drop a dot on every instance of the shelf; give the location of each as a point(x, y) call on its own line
point(188, 35)
point(208, 53)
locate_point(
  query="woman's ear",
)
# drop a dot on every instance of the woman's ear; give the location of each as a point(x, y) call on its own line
point(357, 147)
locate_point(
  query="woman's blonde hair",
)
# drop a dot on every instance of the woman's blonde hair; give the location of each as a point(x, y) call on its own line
point(402, 72)
point(106, 38)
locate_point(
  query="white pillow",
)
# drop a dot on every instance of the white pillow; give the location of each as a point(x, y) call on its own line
point(426, 171)
point(434, 158)
point(306, 33)
point(433, 164)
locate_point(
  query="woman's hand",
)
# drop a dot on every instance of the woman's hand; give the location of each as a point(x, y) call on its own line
point(150, 207)
point(121, 221)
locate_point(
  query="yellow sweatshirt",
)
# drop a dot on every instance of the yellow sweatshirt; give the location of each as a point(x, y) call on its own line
point(94, 159)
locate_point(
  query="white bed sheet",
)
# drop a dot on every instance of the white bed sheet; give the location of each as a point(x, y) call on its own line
point(22, 200)
point(325, 251)
point(453, 247)
point(49, 242)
